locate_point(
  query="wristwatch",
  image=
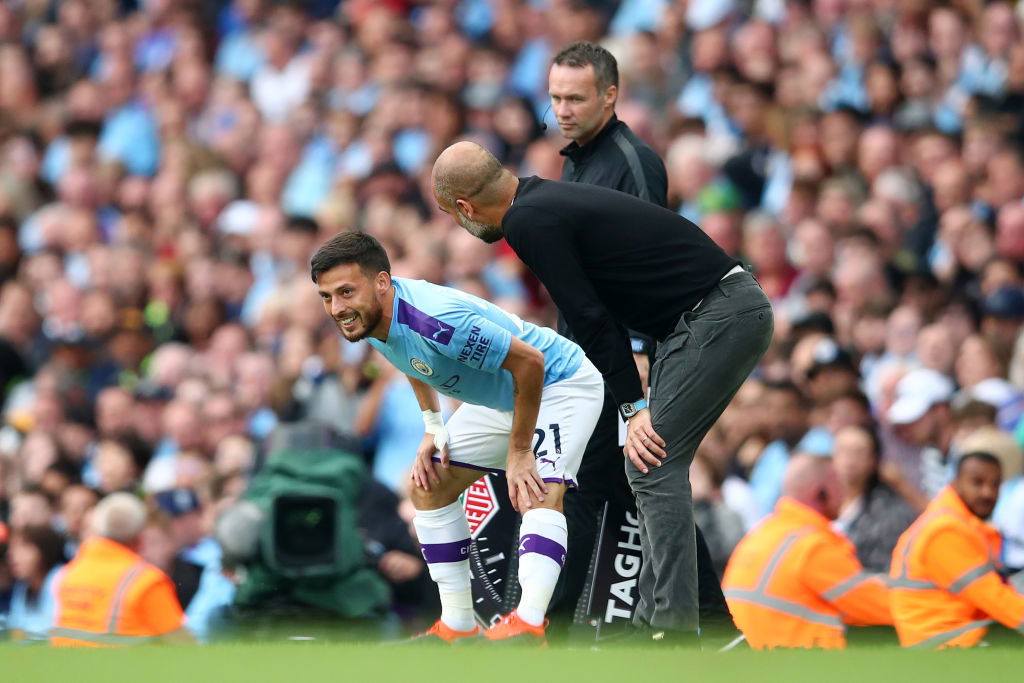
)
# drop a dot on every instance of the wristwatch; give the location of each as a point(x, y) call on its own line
point(628, 410)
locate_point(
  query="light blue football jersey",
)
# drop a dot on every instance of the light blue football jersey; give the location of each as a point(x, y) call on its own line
point(456, 343)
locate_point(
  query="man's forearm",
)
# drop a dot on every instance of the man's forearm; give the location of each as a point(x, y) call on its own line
point(527, 382)
point(425, 395)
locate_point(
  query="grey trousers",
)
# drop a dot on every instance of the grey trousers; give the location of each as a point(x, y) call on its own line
point(697, 371)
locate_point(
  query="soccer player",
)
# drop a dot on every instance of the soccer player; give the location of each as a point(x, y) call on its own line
point(530, 400)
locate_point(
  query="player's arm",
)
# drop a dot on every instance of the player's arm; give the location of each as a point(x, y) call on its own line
point(961, 564)
point(526, 365)
point(833, 571)
point(435, 437)
point(553, 258)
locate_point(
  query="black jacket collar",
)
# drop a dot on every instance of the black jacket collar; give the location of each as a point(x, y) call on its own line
point(578, 154)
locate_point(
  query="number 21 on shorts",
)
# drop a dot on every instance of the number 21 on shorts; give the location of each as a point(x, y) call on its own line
point(556, 435)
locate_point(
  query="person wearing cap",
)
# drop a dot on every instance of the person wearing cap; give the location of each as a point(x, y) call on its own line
point(108, 595)
point(832, 372)
point(921, 416)
point(1002, 315)
point(945, 582)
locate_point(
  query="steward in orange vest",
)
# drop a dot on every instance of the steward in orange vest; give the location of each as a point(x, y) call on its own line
point(945, 585)
point(793, 581)
point(108, 595)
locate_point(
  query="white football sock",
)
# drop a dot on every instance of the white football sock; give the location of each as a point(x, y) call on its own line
point(542, 542)
point(444, 540)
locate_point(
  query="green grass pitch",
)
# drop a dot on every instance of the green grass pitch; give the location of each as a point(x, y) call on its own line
point(305, 662)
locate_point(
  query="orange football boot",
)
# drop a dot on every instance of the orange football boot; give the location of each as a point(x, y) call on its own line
point(441, 631)
point(513, 629)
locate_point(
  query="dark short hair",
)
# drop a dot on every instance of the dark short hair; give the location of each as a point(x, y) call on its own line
point(350, 247)
point(983, 456)
point(581, 53)
point(302, 224)
point(787, 387)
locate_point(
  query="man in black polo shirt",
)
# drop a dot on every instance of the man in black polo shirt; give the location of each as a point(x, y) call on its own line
point(612, 261)
point(583, 84)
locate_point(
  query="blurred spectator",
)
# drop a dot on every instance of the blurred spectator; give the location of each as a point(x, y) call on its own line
point(720, 523)
point(786, 408)
point(166, 169)
point(36, 554)
point(921, 417)
point(76, 503)
point(872, 515)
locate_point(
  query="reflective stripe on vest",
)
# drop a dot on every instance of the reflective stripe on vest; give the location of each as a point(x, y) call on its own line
point(111, 637)
point(970, 576)
point(100, 638)
point(904, 581)
point(119, 594)
point(946, 636)
point(843, 587)
point(759, 595)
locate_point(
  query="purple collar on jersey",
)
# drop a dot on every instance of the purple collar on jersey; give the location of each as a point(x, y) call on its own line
point(423, 324)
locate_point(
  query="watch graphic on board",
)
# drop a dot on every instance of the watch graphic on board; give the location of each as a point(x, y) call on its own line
point(628, 410)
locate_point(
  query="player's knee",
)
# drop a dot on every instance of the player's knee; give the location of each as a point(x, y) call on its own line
point(554, 498)
point(437, 497)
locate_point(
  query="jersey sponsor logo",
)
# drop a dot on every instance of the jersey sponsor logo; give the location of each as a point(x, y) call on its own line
point(421, 367)
point(481, 505)
point(476, 347)
point(423, 324)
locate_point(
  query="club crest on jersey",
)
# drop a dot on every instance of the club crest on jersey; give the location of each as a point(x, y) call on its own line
point(421, 367)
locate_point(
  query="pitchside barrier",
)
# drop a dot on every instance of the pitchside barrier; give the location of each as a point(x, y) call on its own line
point(610, 593)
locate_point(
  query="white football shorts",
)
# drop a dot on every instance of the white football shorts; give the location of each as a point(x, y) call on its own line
point(478, 436)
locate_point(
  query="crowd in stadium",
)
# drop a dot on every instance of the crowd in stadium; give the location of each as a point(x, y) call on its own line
point(168, 167)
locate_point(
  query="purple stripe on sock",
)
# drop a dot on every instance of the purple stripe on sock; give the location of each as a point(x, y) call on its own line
point(534, 543)
point(456, 551)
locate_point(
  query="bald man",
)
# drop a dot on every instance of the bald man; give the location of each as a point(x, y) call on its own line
point(108, 595)
point(793, 581)
point(612, 261)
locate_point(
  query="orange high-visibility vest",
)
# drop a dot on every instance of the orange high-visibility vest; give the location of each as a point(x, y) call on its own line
point(945, 587)
point(794, 582)
point(109, 596)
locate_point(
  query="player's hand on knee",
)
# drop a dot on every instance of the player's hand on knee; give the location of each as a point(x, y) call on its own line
point(525, 486)
point(643, 445)
point(423, 472)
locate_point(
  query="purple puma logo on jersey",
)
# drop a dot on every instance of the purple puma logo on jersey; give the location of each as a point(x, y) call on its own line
point(549, 461)
point(423, 324)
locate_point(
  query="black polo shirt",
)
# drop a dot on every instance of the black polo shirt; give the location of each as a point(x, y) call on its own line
point(611, 261)
point(618, 159)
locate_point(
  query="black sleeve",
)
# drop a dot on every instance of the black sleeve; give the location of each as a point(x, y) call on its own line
point(655, 175)
point(545, 248)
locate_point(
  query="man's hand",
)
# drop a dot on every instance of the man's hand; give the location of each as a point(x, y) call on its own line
point(397, 566)
point(643, 445)
point(524, 483)
point(643, 366)
point(423, 472)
